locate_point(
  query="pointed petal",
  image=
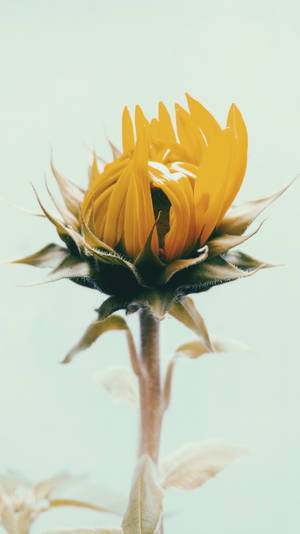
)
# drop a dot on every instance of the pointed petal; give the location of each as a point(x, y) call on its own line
point(165, 123)
point(115, 151)
point(127, 132)
point(203, 119)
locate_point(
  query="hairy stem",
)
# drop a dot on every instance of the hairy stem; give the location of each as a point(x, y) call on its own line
point(151, 399)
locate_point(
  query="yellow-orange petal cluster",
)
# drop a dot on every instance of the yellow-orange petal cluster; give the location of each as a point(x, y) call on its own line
point(197, 167)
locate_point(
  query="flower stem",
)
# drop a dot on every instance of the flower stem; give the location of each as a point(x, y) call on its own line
point(151, 398)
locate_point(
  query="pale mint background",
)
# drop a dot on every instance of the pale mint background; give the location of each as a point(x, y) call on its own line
point(67, 69)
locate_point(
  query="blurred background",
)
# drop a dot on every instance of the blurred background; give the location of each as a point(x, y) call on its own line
point(68, 67)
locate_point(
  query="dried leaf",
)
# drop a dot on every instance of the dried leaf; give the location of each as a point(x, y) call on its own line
point(222, 244)
point(120, 381)
point(186, 312)
point(145, 502)
point(84, 531)
point(195, 463)
point(50, 256)
point(115, 151)
point(194, 349)
point(240, 217)
point(94, 331)
point(67, 216)
point(87, 495)
point(179, 265)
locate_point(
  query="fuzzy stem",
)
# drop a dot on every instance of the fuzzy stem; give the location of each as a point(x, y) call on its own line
point(151, 399)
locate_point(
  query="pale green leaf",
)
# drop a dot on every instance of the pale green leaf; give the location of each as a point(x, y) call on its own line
point(246, 263)
point(94, 331)
point(145, 505)
point(120, 381)
point(186, 312)
point(195, 463)
point(83, 531)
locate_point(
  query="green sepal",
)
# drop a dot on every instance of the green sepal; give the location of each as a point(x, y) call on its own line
point(158, 301)
point(48, 257)
point(208, 274)
point(110, 306)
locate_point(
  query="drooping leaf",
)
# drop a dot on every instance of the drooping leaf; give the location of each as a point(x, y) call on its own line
point(219, 245)
point(120, 381)
point(83, 531)
point(195, 463)
point(180, 265)
point(80, 492)
point(186, 312)
point(93, 332)
point(240, 217)
point(50, 256)
point(145, 502)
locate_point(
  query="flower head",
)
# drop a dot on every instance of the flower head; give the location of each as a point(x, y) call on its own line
point(157, 222)
point(176, 184)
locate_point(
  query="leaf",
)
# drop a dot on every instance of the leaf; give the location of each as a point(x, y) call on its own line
point(50, 256)
point(93, 332)
point(120, 381)
point(43, 489)
point(71, 268)
point(240, 217)
point(85, 494)
point(115, 151)
point(84, 531)
point(179, 265)
point(145, 502)
point(194, 349)
point(71, 193)
point(186, 312)
point(219, 245)
point(195, 463)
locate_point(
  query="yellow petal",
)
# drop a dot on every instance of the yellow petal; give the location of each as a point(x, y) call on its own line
point(165, 123)
point(191, 138)
point(203, 119)
point(212, 181)
point(140, 122)
point(127, 132)
point(239, 157)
